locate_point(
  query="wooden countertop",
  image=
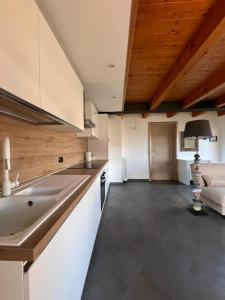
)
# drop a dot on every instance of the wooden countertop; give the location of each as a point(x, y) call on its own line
point(30, 249)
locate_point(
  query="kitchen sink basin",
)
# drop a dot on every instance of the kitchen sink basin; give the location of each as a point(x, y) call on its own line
point(18, 214)
point(23, 212)
point(39, 191)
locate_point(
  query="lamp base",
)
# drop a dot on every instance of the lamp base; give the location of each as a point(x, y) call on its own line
point(197, 158)
point(202, 212)
point(197, 207)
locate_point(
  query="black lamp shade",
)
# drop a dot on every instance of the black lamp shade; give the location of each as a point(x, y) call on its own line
point(197, 129)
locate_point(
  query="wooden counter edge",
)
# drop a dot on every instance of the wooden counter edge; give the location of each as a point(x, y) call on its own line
point(38, 241)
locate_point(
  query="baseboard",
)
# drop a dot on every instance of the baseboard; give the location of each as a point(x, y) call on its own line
point(138, 180)
point(116, 183)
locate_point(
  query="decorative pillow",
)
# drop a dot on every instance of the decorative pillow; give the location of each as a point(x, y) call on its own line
point(214, 180)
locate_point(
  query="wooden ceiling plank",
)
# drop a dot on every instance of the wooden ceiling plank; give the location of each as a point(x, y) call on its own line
point(210, 86)
point(133, 16)
point(221, 113)
point(173, 10)
point(197, 113)
point(210, 31)
point(145, 115)
point(145, 25)
point(163, 2)
point(171, 114)
point(220, 102)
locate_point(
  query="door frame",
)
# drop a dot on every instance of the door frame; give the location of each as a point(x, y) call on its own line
point(150, 144)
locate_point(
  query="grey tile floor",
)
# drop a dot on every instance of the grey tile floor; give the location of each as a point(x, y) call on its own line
point(150, 247)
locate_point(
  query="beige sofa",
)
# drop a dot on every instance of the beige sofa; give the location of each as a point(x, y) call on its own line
point(210, 177)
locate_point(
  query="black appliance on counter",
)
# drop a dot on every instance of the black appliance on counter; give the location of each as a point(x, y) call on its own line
point(102, 181)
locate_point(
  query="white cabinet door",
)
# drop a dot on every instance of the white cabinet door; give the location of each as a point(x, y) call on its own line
point(99, 147)
point(107, 182)
point(60, 88)
point(60, 271)
point(92, 114)
point(95, 119)
point(19, 57)
point(94, 214)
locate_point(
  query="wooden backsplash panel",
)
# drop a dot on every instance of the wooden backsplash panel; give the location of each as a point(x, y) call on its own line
point(35, 150)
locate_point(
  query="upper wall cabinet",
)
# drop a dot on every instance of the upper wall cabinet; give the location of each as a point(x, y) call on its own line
point(61, 90)
point(91, 117)
point(19, 58)
point(34, 67)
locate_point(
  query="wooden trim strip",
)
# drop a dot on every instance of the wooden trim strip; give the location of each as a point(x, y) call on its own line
point(209, 32)
point(120, 115)
point(171, 114)
point(145, 115)
point(220, 113)
point(133, 17)
point(197, 114)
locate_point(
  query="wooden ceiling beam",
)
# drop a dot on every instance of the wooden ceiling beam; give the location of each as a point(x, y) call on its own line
point(221, 113)
point(211, 85)
point(220, 102)
point(145, 115)
point(171, 114)
point(174, 107)
point(197, 113)
point(209, 32)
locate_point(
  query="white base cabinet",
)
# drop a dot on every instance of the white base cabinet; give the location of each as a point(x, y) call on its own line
point(107, 182)
point(60, 271)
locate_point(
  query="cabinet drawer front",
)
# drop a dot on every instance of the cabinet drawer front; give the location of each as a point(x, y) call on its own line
point(60, 271)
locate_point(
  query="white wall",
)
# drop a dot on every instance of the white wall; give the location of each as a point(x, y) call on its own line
point(115, 149)
point(135, 146)
point(222, 137)
point(135, 141)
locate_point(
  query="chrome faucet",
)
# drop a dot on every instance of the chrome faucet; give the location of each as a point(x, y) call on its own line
point(7, 185)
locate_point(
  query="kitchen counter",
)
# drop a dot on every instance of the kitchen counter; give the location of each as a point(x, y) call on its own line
point(30, 249)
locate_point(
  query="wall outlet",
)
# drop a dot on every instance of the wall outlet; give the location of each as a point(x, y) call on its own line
point(60, 159)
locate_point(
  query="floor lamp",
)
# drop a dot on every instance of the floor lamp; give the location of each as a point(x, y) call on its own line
point(197, 130)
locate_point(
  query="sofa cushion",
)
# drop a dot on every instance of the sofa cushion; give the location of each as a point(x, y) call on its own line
point(214, 180)
point(215, 194)
point(213, 169)
point(209, 169)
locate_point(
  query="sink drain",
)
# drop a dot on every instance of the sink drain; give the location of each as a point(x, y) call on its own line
point(30, 203)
